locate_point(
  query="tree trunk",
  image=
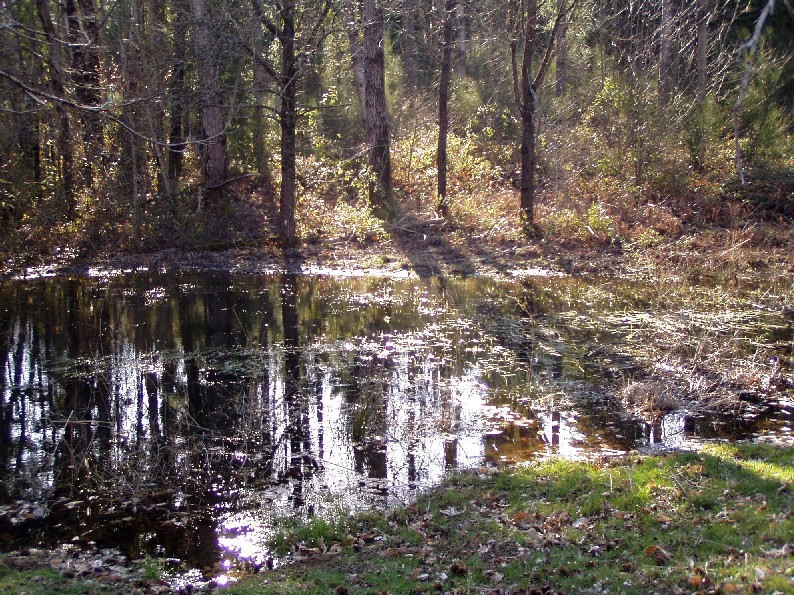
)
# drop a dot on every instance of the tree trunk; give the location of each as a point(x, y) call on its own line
point(84, 37)
point(64, 140)
point(697, 131)
point(213, 145)
point(752, 49)
point(528, 121)
point(460, 18)
point(261, 150)
point(562, 52)
point(353, 27)
point(376, 115)
point(288, 121)
point(666, 53)
point(702, 48)
point(443, 101)
point(411, 57)
point(177, 97)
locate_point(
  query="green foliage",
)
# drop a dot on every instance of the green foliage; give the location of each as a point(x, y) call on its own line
point(595, 224)
point(316, 532)
point(766, 125)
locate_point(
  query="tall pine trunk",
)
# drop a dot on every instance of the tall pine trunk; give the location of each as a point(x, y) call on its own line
point(462, 50)
point(81, 17)
point(443, 105)
point(411, 57)
point(528, 121)
point(562, 53)
point(177, 97)
point(65, 157)
point(288, 121)
point(213, 144)
point(353, 28)
point(376, 118)
point(702, 48)
point(666, 53)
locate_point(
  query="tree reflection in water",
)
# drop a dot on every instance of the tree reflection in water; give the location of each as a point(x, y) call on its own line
point(185, 415)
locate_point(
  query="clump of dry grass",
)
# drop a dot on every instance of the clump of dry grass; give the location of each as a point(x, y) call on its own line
point(651, 398)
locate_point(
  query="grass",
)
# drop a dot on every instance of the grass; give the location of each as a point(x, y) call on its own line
point(40, 581)
point(714, 521)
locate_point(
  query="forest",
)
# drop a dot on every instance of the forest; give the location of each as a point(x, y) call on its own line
point(140, 125)
point(396, 296)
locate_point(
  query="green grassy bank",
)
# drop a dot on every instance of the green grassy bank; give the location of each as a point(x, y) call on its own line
point(715, 521)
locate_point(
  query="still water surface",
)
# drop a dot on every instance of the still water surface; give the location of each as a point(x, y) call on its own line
point(187, 416)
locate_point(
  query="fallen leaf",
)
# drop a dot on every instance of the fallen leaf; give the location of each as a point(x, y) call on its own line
point(458, 569)
point(520, 517)
point(657, 553)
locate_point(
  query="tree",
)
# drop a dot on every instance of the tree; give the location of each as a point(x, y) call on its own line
point(561, 65)
point(208, 65)
point(527, 97)
point(58, 84)
point(751, 47)
point(365, 32)
point(83, 29)
point(281, 25)
point(411, 56)
point(450, 7)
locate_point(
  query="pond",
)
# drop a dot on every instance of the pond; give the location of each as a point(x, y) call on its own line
point(190, 416)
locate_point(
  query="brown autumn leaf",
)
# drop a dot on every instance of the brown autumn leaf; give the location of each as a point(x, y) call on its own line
point(657, 553)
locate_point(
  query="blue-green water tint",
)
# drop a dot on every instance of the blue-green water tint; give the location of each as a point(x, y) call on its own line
point(186, 416)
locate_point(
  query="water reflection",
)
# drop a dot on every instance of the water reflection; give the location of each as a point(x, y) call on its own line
point(185, 415)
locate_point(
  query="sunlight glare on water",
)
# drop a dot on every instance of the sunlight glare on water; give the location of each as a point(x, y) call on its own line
point(194, 415)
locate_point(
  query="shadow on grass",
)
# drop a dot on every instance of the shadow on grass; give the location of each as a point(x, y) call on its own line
point(717, 521)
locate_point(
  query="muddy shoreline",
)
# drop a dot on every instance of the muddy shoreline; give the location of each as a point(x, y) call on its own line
point(755, 256)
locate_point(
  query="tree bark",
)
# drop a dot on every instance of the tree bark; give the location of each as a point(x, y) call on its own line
point(561, 62)
point(528, 103)
point(213, 144)
point(411, 57)
point(84, 37)
point(666, 53)
point(64, 140)
point(177, 97)
point(376, 115)
point(288, 120)
point(462, 50)
point(353, 27)
point(443, 104)
point(702, 48)
point(528, 121)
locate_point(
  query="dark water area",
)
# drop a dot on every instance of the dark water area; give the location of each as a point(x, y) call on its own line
point(190, 416)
